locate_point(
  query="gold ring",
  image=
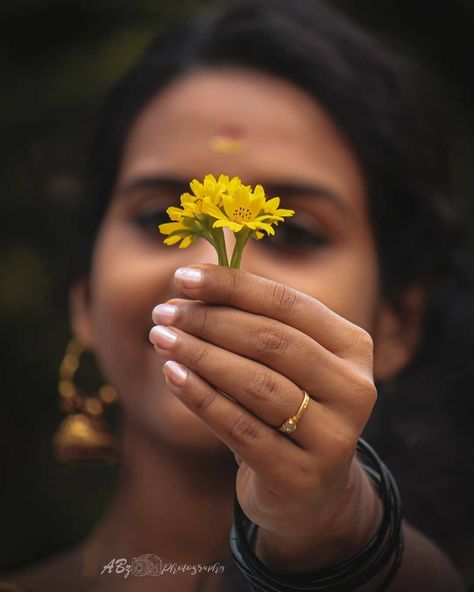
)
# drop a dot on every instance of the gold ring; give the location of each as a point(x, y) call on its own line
point(289, 425)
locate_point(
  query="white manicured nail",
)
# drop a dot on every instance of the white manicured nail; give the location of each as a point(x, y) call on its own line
point(188, 276)
point(175, 372)
point(162, 336)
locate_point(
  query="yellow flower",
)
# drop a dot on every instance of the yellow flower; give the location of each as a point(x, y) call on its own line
point(211, 190)
point(244, 208)
point(185, 226)
point(218, 203)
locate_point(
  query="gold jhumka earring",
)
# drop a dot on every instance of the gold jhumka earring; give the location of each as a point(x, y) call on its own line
point(83, 435)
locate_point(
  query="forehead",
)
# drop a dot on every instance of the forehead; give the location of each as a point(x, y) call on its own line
point(283, 133)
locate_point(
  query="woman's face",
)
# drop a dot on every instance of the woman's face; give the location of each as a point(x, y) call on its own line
point(264, 130)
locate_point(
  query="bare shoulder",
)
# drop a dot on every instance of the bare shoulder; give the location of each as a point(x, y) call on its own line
point(425, 568)
point(60, 572)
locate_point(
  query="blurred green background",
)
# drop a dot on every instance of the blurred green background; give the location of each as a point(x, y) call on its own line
point(57, 60)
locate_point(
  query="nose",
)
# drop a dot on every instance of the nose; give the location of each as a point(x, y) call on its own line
point(203, 252)
point(229, 238)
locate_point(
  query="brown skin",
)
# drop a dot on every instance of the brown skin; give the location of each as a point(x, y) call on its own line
point(291, 321)
point(306, 487)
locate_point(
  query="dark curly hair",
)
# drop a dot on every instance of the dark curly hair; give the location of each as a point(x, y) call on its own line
point(421, 424)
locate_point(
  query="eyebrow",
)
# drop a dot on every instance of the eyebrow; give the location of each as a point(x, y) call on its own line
point(286, 188)
point(314, 190)
point(168, 182)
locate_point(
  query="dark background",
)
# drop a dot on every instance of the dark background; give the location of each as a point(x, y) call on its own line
point(57, 60)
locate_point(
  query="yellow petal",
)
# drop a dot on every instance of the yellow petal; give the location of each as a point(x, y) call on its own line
point(223, 180)
point(212, 210)
point(197, 188)
point(233, 185)
point(190, 201)
point(168, 227)
point(229, 204)
point(272, 204)
point(186, 242)
point(187, 198)
point(210, 179)
point(283, 212)
point(171, 240)
point(259, 192)
point(233, 226)
point(266, 227)
point(174, 213)
point(255, 206)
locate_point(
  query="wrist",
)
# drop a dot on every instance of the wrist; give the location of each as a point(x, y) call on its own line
point(371, 568)
point(343, 528)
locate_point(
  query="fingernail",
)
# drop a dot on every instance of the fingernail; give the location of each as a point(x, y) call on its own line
point(164, 313)
point(162, 337)
point(188, 276)
point(175, 372)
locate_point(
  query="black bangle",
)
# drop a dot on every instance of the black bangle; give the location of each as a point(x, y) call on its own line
point(386, 546)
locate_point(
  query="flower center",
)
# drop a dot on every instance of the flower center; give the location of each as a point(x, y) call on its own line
point(242, 215)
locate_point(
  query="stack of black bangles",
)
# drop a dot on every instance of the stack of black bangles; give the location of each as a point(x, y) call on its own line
point(386, 547)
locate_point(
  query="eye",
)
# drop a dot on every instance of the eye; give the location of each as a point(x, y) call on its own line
point(294, 238)
point(151, 219)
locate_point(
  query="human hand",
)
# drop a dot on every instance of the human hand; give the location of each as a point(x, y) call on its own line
point(261, 343)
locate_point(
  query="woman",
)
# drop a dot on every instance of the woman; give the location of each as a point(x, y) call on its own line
point(307, 105)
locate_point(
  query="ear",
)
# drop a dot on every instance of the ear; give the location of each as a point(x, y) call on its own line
point(80, 315)
point(397, 333)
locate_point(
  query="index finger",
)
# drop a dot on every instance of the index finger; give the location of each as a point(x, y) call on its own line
point(218, 284)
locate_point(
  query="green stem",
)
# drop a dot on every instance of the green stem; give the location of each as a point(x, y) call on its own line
point(206, 233)
point(220, 246)
point(215, 237)
point(222, 259)
point(240, 240)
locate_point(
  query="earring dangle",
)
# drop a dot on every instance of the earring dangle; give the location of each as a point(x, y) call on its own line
point(83, 434)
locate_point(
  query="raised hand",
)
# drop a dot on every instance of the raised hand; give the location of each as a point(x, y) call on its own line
point(240, 355)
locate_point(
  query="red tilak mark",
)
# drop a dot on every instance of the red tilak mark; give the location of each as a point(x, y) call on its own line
point(231, 131)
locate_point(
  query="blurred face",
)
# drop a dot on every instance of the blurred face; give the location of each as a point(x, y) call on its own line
point(266, 131)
